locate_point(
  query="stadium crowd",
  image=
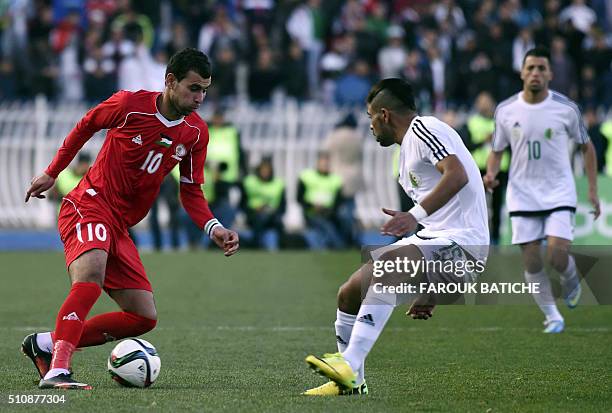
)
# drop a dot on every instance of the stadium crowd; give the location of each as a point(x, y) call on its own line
point(332, 51)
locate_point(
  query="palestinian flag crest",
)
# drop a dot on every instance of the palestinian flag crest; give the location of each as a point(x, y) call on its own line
point(165, 141)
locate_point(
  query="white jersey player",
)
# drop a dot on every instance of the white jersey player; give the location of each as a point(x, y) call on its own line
point(538, 124)
point(438, 172)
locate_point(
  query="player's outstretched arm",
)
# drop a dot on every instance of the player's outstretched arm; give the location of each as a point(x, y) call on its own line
point(226, 239)
point(38, 185)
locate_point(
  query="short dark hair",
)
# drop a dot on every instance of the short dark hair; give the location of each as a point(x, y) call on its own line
point(189, 59)
point(539, 51)
point(393, 93)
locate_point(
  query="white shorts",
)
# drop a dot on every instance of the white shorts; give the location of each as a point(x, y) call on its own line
point(556, 224)
point(434, 249)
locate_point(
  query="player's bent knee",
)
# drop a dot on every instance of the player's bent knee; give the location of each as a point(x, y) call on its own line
point(142, 324)
point(348, 301)
point(88, 277)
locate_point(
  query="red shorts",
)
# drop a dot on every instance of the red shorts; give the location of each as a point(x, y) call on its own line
point(89, 225)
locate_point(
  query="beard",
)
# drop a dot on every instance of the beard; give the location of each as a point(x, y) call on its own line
point(535, 88)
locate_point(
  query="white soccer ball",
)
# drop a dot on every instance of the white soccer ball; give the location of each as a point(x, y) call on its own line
point(134, 363)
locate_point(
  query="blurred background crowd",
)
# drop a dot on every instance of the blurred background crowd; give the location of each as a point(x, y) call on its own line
point(331, 51)
point(462, 57)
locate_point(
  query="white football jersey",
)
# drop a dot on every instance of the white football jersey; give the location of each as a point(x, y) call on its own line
point(464, 218)
point(541, 177)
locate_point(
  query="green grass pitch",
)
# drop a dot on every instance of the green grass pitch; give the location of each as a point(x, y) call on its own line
point(233, 333)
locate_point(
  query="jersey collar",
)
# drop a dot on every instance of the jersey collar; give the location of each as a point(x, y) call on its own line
point(534, 105)
point(167, 123)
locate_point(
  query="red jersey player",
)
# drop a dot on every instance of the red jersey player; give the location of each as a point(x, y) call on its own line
point(148, 134)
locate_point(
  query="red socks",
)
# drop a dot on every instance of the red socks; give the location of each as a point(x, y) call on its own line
point(71, 331)
point(114, 326)
point(70, 320)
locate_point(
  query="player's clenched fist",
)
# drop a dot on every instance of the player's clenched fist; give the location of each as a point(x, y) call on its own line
point(39, 185)
point(490, 182)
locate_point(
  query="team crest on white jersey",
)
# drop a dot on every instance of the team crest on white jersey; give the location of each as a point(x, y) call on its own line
point(548, 133)
point(414, 179)
point(137, 140)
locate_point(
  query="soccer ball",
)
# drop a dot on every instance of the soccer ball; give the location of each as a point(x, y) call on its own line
point(134, 363)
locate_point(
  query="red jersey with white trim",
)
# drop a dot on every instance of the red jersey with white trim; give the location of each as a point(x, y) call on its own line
point(140, 149)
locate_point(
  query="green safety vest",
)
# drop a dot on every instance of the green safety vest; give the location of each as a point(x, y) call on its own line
point(606, 130)
point(395, 161)
point(320, 189)
point(480, 128)
point(66, 181)
point(223, 146)
point(262, 193)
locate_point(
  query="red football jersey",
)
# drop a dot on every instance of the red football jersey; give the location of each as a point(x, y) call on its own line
point(140, 149)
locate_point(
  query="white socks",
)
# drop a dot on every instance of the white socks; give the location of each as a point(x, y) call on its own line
point(344, 326)
point(373, 315)
point(544, 299)
point(43, 340)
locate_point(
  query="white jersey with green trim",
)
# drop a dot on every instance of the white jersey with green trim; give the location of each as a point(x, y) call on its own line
point(538, 135)
point(463, 219)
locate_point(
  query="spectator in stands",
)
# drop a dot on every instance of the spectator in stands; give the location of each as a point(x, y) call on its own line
point(448, 11)
point(306, 26)
point(352, 87)
point(377, 21)
point(564, 79)
point(264, 77)
point(438, 76)
point(219, 34)
point(416, 71)
point(345, 148)
point(391, 57)
point(100, 79)
point(223, 90)
point(126, 15)
point(482, 76)
point(522, 43)
point(264, 203)
point(581, 15)
point(65, 41)
point(319, 194)
point(46, 70)
point(589, 87)
point(179, 38)
point(294, 74)
point(333, 63)
point(8, 91)
point(136, 71)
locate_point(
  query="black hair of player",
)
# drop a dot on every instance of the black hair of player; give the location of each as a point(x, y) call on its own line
point(189, 59)
point(539, 51)
point(392, 93)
